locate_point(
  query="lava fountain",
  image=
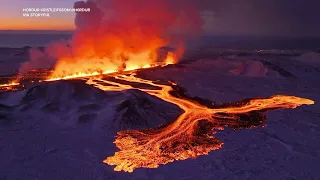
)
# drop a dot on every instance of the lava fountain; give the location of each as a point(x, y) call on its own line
point(190, 135)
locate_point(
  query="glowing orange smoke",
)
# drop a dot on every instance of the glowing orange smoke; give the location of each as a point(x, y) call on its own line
point(190, 135)
point(126, 37)
point(105, 67)
point(120, 36)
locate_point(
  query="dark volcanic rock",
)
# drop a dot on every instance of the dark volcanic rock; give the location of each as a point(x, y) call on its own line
point(5, 113)
point(280, 70)
point(26, 47)
point(5, 108)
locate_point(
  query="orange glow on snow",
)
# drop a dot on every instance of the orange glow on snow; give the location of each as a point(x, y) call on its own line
point(184, 138)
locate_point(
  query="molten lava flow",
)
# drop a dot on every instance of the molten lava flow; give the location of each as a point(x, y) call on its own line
point(190, 135)
point(9, 84)
point(83, 71)
point(78, 71)
point(117, 36)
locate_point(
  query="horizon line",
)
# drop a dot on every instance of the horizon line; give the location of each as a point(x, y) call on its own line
point(206, 34)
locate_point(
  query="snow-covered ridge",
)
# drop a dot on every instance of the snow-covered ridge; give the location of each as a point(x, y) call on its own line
point(74, 102)
point(254, 69)
point(311, 58)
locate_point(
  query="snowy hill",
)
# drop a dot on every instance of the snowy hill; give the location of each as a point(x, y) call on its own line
point(72, 102)
point(310, 58)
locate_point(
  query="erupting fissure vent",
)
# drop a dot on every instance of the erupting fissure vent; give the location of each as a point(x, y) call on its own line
point(117, 36)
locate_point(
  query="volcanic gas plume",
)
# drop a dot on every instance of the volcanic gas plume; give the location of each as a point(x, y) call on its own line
point(118, 35)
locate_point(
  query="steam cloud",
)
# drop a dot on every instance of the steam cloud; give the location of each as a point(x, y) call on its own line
point(118, 32)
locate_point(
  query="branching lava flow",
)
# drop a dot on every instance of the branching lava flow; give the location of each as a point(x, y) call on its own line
point(190, 135)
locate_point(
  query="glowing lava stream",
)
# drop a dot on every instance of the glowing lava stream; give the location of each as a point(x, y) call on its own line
point(10, 84)
point(190, 135)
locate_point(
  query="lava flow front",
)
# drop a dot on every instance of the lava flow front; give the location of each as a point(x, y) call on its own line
point(190, 135)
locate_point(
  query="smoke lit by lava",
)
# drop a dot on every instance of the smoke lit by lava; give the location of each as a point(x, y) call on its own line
point(121, 36)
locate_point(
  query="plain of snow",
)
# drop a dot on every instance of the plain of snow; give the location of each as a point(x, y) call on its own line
point(37, 144)
point(311, 58)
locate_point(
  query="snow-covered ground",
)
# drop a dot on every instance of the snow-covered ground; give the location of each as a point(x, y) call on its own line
point(65, 130)
point(311, 58)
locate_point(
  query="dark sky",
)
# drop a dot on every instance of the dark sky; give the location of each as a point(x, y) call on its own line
point(232, 17)
point(266, 17)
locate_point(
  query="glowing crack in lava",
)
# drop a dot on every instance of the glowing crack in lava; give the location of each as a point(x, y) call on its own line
point(9, 86)
point(190, 135)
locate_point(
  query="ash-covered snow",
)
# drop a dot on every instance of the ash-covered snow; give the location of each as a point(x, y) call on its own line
point(61, 130)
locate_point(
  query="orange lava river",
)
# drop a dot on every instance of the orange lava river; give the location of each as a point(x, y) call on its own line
point(190, 135)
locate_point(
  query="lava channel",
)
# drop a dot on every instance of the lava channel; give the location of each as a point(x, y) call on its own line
point(190, 135)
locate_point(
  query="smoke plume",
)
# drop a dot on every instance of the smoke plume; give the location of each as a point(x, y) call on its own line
point(119, 34)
